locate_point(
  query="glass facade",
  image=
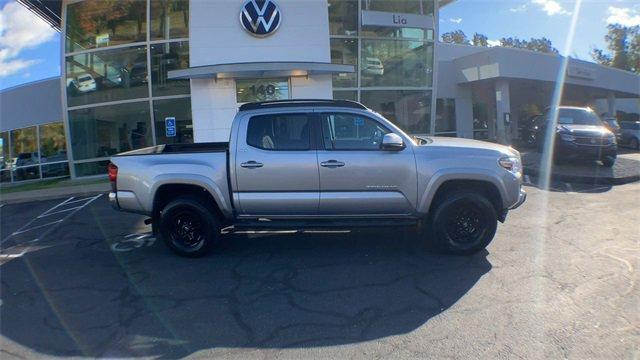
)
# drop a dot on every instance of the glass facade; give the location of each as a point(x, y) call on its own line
point(33, 153)
point(118, 94)
point(394, 65)
point(445, 117)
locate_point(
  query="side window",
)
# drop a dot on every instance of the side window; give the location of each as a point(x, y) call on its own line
point(279, 132)
point(343, 131)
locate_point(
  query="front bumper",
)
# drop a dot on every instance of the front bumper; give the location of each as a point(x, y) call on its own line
point(522, 197)
point(571, 150)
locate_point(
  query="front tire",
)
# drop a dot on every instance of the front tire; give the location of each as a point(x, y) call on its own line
point(462, 223)
point(608, 161)
point(189, 227)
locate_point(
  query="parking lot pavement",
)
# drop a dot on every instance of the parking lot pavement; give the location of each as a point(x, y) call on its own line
point(558, 281)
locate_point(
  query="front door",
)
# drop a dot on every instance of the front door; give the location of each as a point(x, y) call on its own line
point(276, 166)
point(357, 177)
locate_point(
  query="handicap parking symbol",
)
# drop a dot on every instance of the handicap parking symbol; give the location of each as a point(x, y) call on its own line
point(170, 126)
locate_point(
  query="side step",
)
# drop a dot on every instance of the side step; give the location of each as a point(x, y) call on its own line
point(270, 224)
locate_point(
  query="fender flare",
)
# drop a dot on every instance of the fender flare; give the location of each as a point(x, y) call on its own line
point(193, 179)
point(441, 176)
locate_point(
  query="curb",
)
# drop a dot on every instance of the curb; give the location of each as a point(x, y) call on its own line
point(587, 179)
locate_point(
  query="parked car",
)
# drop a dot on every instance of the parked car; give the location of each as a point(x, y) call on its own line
point(373, 66)
point(319, 163)
point(579, 135)
point(611, 123)
point(630, 134)
point(85, 83)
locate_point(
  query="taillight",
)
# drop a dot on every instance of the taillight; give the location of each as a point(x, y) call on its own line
point(112, 169)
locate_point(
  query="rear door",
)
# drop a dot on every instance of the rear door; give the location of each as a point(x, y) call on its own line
point(276, 165)
point(357, 177)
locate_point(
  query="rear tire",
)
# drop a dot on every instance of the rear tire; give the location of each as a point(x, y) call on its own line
point(189, 227)
point(462, 223)
point(634, 143)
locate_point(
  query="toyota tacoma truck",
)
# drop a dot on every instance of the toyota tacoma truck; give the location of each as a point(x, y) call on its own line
point(301, 164)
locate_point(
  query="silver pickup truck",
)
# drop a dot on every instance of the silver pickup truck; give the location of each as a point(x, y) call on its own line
point(303, 164)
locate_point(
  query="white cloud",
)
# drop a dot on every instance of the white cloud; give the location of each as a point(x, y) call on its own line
point(517, 9)
point(551, 7)
point(20, 30)
point(456, 20)
point(623, 16)
point(493, 43)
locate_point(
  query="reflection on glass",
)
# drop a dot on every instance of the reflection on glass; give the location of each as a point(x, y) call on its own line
point(107, 130)
point(343, 17)
point(345, 51)
point(53, 146)
point(423, 7)
point(55, 170)
point(345, 95)
point(180, 109)
point(107, 75)
point(24, 143)
point(396, 63)
point(409, 109)
point(5, 155)
point(249, 90)
point(445, 115)
point(26, 173)
point(169, 19)
point(91, 168)
point(99, 23)
point(164, 58)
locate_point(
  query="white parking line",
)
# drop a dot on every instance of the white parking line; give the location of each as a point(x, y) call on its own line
point(58, 212)
point(53, 224)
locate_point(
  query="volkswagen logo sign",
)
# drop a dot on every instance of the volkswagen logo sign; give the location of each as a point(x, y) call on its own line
point(260, 17)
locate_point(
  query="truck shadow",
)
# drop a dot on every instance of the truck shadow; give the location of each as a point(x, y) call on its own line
point(78, 297)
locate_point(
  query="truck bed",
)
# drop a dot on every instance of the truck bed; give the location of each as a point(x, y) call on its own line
point(179, 148)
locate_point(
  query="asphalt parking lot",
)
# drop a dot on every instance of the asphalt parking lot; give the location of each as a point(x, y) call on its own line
point(558, 281)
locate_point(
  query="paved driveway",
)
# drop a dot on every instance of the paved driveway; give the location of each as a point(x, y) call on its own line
point(559, 280)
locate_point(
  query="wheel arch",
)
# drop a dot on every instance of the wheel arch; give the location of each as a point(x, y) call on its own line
point(448, 180)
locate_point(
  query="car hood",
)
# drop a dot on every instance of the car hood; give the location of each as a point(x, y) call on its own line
point(584, 130)
point(471, 144)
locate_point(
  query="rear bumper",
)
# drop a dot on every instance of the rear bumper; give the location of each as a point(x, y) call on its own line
point(126, 201)
point(113, 200)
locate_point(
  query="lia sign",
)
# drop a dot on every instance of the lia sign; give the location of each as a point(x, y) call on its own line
point(382, 18)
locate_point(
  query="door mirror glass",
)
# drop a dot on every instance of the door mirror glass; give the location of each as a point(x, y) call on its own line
point(392, 141)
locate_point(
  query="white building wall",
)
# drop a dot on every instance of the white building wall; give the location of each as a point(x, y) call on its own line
point(303, 35)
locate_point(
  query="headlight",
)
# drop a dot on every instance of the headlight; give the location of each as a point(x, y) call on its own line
point(567, 137)
point(513, 164)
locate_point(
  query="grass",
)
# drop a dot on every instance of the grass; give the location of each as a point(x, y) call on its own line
point(47, 184)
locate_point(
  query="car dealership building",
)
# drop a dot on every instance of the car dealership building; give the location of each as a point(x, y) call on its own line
point(139, 73)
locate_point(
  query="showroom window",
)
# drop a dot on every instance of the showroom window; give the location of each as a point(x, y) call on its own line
point(5, 157)
point(164, 58)
point(100, 132)
point(394, 65)
point(107, 75)
point(118, 93)
point(169, 19)
point(98, 23)
point(180, 109)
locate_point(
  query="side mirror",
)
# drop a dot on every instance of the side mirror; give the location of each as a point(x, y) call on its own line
point(392, 141)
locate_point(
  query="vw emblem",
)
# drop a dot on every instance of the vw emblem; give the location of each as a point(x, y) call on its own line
point(260, 17)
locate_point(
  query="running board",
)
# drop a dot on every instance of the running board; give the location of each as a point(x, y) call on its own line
point(269, 224)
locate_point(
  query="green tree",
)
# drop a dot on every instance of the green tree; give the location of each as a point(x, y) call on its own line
point(623, 44)
point(543, 45)
point(455, 37)
point(480, 40)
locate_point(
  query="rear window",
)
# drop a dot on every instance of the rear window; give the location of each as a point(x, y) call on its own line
point(279, 132)
point(84, 78)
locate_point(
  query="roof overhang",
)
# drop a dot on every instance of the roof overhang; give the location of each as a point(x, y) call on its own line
point(260, 70)
point(48, 10)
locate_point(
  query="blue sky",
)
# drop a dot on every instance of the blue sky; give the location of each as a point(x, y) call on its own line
point(29, 48)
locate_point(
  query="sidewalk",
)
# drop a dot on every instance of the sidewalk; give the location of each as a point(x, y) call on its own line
point(65, 188)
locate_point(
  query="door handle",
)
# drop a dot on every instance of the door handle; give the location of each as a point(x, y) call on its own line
point(251, 164)
point(332, 164)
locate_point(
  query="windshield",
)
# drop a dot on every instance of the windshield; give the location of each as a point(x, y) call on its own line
point(578, 117)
